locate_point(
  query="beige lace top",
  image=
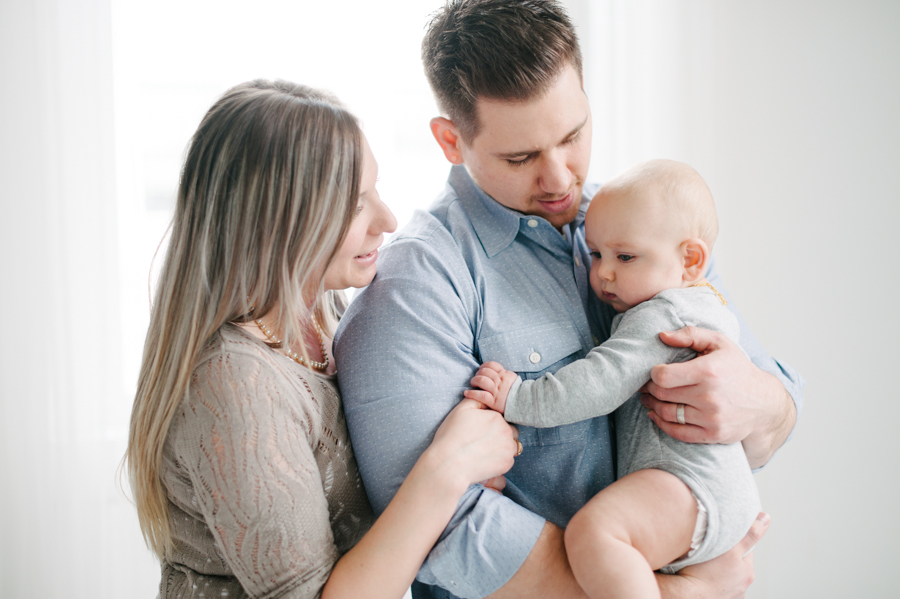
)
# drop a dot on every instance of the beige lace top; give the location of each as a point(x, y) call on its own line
point(263, 487)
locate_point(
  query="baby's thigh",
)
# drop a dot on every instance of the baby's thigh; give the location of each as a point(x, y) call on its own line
point(652, 510)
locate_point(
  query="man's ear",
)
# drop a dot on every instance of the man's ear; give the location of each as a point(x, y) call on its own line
point(696, 259)
point(447, 136)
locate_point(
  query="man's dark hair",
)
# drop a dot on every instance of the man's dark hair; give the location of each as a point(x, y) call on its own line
point(509, 50)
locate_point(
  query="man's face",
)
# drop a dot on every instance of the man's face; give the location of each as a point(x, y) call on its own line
point(533, 156)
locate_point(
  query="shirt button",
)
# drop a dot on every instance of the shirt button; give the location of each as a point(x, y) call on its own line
point(577, 261)
point(534, 357)
point(596, 341)
point(532, 223)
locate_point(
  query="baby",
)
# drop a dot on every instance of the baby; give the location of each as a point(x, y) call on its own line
point(650, 231)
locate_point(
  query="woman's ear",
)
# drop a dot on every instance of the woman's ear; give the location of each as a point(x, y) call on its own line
point(696, 259)
point(445, 133)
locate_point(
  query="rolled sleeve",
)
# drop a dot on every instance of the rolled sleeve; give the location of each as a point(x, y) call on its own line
point(405, 350)
point(791, 379)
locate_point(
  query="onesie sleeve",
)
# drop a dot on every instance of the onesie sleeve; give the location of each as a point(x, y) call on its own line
point(245, 441)
point(605, 379)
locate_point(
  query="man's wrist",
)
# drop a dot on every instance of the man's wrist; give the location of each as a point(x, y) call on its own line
point(775, 424)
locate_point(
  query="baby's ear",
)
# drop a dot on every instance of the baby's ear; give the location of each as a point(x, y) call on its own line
point(696, 259)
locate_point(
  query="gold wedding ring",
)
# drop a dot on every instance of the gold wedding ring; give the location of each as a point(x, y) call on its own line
point(519, 448)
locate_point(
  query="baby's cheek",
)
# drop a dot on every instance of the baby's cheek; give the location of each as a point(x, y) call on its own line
point(595, 283)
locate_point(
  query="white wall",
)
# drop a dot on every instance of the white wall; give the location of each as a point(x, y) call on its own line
point(791, 111)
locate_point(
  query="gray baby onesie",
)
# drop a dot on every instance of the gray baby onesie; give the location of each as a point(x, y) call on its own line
point(610, 376)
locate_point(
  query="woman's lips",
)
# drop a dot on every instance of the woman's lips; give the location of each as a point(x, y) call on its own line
point(367, 258)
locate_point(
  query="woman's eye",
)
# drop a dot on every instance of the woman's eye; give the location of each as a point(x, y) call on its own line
point(626, 257)
point(359, 208)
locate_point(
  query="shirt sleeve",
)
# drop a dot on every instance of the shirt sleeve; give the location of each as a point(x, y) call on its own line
point(789, 377)
point(243, 440)
point(610, 373)
point(406, 353)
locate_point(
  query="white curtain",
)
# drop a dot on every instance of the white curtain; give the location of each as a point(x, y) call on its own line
point(65, 528)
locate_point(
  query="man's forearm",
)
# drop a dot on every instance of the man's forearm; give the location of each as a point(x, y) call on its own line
point(775, 423)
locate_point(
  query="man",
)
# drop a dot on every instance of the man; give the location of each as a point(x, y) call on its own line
point(497, 269)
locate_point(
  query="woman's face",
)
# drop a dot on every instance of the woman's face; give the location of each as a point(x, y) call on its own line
point(354, 265)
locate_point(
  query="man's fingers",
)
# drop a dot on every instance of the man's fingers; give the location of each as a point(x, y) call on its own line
point(756, 532)
point(669, 410)
point(672, 376)
point(687, 433)
point(699, 340)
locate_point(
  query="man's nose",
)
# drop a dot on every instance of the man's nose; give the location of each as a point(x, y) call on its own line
point(555, 177)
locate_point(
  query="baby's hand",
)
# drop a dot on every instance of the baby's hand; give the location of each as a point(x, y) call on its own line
point(492, 383)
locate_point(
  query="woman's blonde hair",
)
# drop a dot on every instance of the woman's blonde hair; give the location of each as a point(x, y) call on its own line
point(268, 189)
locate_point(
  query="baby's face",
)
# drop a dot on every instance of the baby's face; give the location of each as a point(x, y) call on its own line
point(636, 254)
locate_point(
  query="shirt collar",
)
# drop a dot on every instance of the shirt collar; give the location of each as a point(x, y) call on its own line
point(495, 224)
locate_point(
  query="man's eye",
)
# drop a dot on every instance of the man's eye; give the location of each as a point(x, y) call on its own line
point(626, 257)
point(521, 162)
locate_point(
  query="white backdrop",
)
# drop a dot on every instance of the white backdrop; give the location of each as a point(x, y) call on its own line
point(788, 109)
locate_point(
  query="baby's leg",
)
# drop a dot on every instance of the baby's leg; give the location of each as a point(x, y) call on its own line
point(636, 525)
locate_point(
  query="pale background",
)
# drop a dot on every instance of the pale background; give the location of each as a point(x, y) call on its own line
point(788, 108)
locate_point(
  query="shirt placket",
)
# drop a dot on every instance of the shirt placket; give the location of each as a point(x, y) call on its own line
point(561, 248)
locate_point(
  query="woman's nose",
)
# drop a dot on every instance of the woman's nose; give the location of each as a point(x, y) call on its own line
point(385, 222)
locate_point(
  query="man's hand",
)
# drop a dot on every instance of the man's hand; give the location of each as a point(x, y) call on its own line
point(725, 397)
point(725, 577)
point(492, 383)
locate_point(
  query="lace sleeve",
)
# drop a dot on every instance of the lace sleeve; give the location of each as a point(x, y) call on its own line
point(245, 439)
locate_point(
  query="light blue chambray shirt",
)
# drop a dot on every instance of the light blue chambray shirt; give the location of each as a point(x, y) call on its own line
point(467, 282)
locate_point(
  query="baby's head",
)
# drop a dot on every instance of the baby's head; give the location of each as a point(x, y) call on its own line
point(649, 229)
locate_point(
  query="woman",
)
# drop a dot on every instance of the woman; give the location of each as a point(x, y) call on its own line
point(238, 453)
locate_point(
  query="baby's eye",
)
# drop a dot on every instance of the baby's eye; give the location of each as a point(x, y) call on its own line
point(595, 255)
point(625, 257)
